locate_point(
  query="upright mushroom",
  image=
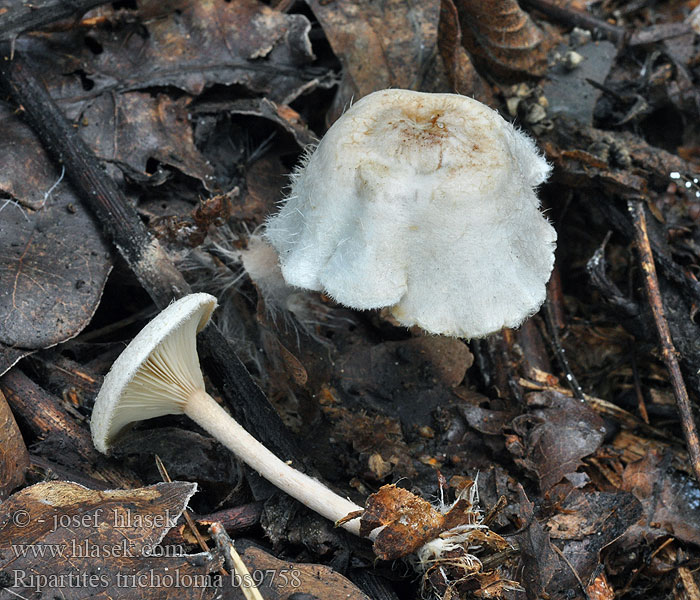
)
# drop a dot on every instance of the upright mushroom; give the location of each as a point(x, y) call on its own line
point(424, 203)
point(159, 374)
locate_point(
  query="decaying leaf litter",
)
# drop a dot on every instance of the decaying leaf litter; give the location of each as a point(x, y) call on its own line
point(198, 111)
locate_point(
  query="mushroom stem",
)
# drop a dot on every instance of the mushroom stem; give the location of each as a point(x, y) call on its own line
point(207, 413)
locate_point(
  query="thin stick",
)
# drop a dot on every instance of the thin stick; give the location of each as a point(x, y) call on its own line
point(186, 513)
point(577, 18)
point(235, 562)
point(571, 567)
point(668, 351)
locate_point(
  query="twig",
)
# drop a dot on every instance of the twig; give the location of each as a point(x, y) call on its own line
point(571, 567)
point(577, 19)
point(25, 16)
point(235, 562)
point(560, 352)
point(142, 252)
point(668, 351)
point(186, 513)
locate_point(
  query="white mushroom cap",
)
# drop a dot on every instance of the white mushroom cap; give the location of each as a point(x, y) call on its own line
point(156, 374)
point(424, 203)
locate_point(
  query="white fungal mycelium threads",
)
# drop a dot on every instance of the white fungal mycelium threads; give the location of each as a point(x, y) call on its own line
point(424, 203)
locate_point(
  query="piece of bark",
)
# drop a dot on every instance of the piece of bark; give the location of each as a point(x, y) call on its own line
point(44, 416)
point(14, 458)
point(235, 520)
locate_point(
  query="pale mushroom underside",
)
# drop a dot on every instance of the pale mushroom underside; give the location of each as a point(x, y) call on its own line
point(156, 373)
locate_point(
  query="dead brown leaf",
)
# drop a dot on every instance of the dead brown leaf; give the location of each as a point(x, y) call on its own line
point(557, 435)
point(187, 45)
point(285, 580)
point(131, 128)
point(383, 45)
point(60, 538)
point(53, 262)
point(586, 523)
point(670, 500)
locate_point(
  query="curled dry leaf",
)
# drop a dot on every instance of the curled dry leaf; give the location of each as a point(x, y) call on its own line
point(461, 73)
point(503, 37)
point(440, 540)
point(557, 435)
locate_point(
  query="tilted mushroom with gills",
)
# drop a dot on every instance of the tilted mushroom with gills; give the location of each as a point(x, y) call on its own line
point(424, 203)
point(159, 374)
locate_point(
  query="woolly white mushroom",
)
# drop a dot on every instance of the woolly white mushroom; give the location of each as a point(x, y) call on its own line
point(159, 374)
point(424, 203)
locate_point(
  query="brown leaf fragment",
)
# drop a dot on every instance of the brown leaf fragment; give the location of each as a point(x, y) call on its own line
point(131, 128)
point(489, 584)
point(539, 560)
point(461, 72)
point(284, 580)
point(60, 538)
point(383, 45)
point(600, 589)
point(557, 434)
point(409, 522)
point(669, 500)
point(374, 436)
point(14, 458)
point(190, 230)
point(588, 522)
point(502, 36)
point(187, 45)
